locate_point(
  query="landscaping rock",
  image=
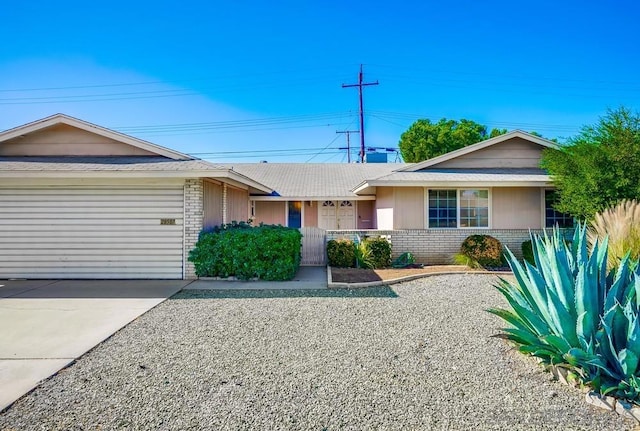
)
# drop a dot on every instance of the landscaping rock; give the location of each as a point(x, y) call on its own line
point(419, 356)
point(602, 402)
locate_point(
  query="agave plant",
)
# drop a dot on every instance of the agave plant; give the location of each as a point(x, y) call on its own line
point(569, 311)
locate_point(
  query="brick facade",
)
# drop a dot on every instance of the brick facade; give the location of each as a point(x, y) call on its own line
point(437, 246)
point(193, 219)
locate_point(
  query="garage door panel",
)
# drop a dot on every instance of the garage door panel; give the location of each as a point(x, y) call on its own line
point(91, 232)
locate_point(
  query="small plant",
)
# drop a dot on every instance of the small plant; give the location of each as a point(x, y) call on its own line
point(572, 312)
point(621, 225)
point(480, 251)
point(380, 250)
point(341, 253)
point(363, 256)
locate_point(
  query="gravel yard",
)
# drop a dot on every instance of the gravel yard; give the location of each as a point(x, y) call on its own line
point(417, 356)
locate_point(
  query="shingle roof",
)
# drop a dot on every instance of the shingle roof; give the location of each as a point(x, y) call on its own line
point(93, 164)
point(314, 180)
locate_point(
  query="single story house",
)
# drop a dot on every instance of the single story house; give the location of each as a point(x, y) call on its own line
point(493, 187)
point(81, 201)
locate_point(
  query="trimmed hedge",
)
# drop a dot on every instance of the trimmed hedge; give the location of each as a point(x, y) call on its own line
point(341, 253)
point(483, 250)
point(265, 252)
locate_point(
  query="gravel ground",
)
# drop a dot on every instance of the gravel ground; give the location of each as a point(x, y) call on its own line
point(417, 356)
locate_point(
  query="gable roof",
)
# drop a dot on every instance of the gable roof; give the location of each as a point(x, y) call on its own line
point(92, 128)
point(479, 146)
point(313, 181)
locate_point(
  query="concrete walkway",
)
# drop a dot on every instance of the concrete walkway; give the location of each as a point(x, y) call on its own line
point(46, 325)
point(307, 278)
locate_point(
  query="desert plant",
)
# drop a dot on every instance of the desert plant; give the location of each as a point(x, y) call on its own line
point(570, 311)
point(341, 253)
point(621, 224)
point(380, 250)
point(480, 251)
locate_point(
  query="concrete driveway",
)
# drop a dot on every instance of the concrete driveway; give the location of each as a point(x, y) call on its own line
point(46, 325)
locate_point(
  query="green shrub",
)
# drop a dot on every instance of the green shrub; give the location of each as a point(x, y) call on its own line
point(527, 252)
point(572, 312)
point(265, 252)
point(341, 253)
point(621, 225)
point(481, 251)
point(380, 250)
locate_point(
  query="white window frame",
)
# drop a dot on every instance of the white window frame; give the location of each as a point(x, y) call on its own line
point(543, 206)
point(458, 195)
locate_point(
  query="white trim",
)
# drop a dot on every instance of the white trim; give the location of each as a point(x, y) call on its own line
point(546, 182)
point(458, 196)
point(479, 146)
point(92, 128)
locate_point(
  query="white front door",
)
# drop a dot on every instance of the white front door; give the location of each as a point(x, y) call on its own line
point(337, 215)
point(346, 215)
point(327, 215)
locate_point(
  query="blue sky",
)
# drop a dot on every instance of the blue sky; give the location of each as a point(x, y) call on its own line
point(247, 81)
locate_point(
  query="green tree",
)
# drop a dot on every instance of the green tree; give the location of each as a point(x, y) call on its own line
point(497, 132)
point(425, 140)
point(598, 167)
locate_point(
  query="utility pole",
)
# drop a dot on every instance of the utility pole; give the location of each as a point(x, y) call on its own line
point(348, 133)
point(361, 84)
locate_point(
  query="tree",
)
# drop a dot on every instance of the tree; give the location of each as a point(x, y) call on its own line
point(598, 167)
point(425, 140)
point(497, 132)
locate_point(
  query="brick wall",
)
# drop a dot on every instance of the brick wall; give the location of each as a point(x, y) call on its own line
point(437, 246)
point(193, 216)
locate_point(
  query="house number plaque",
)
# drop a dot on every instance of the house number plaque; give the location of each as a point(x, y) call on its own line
point(167, 221)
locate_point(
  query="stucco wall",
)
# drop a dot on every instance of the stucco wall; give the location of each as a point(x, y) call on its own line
point(384, 207)
point(270, 213)
point(310, 213)
point(513, 153)
point(516, 208)
point(410, 208)
point(65, 140)
point(365, 218)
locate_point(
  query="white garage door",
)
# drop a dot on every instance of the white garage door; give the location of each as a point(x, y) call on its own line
point(91, 232)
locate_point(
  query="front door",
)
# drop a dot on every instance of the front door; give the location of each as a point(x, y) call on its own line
point(346, 215)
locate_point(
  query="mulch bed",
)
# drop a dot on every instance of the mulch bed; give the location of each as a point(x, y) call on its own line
point(357, 275)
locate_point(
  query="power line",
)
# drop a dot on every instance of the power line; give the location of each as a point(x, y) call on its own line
point(360, 85)
point(348, 133)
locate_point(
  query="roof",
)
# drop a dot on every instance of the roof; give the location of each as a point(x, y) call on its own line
point(92, 128)
point(479, 146)
point(458, 178)
point(314, 181)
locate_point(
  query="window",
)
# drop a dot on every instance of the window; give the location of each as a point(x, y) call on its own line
point(474, 208)
point(295, 214)
point(443, 208)
point(458, 208)
point(553, 217)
